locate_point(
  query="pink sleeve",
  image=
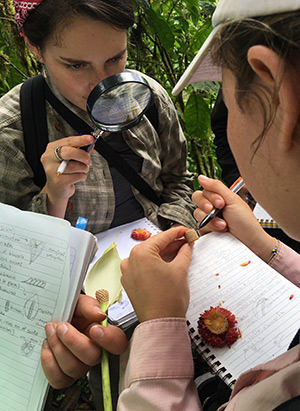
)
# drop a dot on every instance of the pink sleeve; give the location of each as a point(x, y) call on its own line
point(156, 372)
point(287, 262)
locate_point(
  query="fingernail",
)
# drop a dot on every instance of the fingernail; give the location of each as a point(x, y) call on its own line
point(98, 310)
point(97, 332)
point(45, 345)
point(61, 329)
point(49, 329)
point(207, 208)
point(203, 177)
point(219, 224)
point(219, 203)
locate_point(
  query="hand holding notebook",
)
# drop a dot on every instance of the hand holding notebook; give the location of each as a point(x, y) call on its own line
point(42, 265)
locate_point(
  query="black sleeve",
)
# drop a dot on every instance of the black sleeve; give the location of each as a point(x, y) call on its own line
point(230, 171)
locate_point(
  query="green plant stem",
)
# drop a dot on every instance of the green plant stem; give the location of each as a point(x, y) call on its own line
point(106, 391)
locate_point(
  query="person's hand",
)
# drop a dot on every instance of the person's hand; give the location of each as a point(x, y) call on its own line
point(71, 350)
point(247, 197)
point(236, 216)
point(60, 188)
point(155, 275)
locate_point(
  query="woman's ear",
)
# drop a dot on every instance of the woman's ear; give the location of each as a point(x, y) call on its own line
point(275, 74)
point(36, 51)
point(265, 63)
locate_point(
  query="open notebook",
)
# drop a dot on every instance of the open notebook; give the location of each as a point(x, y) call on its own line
point(259, 297)
point(43, 261)
point(265, 304)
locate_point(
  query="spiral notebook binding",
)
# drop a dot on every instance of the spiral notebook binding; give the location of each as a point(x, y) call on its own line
point(209, 357)
point(152, 226)
point(268, 223)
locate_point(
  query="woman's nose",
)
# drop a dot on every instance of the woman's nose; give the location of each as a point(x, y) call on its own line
point(99, 75)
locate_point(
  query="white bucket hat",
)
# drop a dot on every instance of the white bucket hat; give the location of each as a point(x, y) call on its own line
point(202, 68)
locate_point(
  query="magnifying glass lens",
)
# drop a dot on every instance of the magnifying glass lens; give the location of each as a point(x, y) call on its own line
point(122, 104)
point(119, 102)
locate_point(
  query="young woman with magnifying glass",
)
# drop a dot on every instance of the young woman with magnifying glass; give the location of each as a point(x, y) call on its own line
point(80, 44)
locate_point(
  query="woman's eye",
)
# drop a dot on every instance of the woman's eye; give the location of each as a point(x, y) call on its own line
point(117, 58)
point(76, 66)
point(114, 60)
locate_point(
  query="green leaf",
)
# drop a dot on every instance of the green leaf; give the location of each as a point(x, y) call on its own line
point(143, 3)
point(183, 24)
point(193, 8)
point(201, 35)
point(208, 7)
point(197, 116)
point(161, 28)
point(207, 86)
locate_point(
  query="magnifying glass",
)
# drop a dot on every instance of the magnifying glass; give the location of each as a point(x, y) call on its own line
point(118, 102)
point(115, 104)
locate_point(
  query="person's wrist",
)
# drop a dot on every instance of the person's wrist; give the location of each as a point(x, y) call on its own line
point(268, 250)
point(56, 205)
point(262, 244)
point(161, 313)
point(273, 252)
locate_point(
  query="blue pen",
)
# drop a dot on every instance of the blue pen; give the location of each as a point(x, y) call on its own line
point(235, 188)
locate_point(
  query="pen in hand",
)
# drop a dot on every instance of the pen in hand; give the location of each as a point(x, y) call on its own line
point(235, 188)
point(64, 163)
point(62, 167)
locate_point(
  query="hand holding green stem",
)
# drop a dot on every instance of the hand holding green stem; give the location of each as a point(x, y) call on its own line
point(102, 297)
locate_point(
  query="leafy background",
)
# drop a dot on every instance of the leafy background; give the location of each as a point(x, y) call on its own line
point(164, 40)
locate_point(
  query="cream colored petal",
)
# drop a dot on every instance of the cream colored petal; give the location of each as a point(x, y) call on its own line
point(106, 274)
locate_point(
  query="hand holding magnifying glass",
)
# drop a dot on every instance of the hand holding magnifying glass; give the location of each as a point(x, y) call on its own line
point(117, 103)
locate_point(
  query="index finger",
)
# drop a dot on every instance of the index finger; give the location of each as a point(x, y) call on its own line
point(76, 141)
point(87, 311)
point(215, 187)
point(164, 239)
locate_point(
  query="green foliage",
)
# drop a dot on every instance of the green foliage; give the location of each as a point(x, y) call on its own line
point(16, 61)
point(165, 39)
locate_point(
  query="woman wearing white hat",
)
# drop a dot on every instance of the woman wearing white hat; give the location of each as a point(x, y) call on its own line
point(255, 50)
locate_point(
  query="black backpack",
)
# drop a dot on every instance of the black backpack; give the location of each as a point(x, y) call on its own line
point(33, 94)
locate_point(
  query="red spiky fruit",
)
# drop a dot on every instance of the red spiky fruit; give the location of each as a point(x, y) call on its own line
point(140, 234)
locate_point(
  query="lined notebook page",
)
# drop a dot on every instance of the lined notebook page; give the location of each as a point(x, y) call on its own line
point(34, 277)
point(256, 294)
point(83, 247)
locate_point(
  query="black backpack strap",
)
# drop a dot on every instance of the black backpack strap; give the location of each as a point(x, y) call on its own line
point(34, 122)
point(115, 160)
point(71, 118)
point(111, 156)
point(152, 114)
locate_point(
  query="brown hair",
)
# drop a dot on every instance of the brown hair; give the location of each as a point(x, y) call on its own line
point(43, 22)
point(279, 32)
